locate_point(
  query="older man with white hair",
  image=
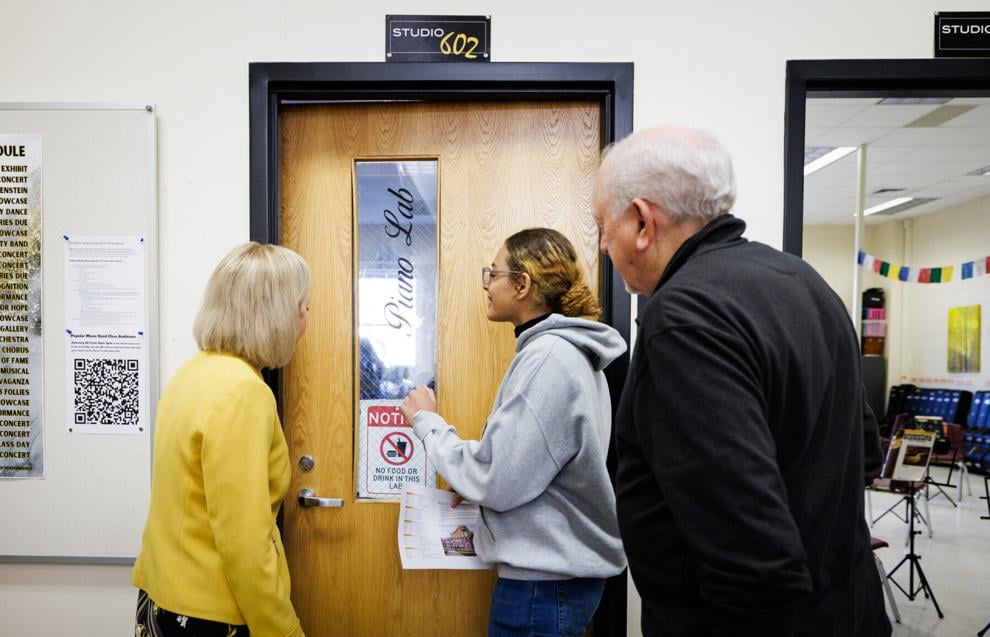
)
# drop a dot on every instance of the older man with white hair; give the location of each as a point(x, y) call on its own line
point(743, 436)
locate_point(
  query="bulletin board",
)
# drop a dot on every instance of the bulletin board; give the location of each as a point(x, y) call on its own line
point(99, 178)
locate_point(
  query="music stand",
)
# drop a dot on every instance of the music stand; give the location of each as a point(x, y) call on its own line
point(897, 466)
point(885, 485)
point(986, 489)
point(913, 559)
point(936, 425)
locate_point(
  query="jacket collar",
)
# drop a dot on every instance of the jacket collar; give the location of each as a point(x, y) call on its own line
point(720, 232)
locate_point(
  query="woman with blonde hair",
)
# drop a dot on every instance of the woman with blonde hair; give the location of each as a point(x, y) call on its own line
point(538, 473)
point(211, 560)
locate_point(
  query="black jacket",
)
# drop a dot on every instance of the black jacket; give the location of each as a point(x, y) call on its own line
point(744, 443)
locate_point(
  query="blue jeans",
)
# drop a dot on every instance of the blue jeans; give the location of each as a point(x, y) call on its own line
point(549, 608)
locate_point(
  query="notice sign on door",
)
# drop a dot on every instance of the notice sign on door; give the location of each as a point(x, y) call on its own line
point(389, 454)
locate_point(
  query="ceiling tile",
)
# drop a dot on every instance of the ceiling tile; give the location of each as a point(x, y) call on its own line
point(842, 136)
point(977, 118)
point(811, 136)
point(889, 115)
point(910, 137)
point(960, 136)
point(950, 168)
point(925, 162)
point(876, 155)
point(867, 101)
point(898, 168)
point(829, 113)
point(935, 153)
point(945, 188)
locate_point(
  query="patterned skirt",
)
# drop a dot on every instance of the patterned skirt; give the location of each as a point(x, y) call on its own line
point(151, 620)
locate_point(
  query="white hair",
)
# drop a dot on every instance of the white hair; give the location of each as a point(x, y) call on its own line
point(685, 171)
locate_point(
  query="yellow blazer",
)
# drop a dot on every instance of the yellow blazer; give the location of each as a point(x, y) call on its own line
point(221, 469)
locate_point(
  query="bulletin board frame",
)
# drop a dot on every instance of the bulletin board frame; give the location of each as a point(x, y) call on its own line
point(99, 178)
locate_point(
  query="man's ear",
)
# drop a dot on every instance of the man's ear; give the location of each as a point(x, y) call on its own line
point(647, 220)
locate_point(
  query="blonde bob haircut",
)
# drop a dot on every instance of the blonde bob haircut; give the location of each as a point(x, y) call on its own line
point(252, 304)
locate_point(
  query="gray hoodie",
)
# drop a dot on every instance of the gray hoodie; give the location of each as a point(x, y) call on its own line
point(538, 472)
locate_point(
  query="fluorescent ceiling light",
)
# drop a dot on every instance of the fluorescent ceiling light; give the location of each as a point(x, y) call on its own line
point(811, 153)
point(887, 205)
point(827, 158)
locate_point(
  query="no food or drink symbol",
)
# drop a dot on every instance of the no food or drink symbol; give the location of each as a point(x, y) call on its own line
point(397, 448)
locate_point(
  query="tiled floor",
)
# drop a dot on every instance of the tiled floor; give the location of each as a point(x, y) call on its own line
point(956, 560)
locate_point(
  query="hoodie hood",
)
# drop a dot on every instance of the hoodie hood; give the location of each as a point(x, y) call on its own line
point(601, 343)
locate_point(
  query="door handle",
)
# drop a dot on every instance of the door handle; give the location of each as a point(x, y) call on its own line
point(307, 498)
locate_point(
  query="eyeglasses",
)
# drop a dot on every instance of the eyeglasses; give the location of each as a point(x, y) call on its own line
point(486, 274)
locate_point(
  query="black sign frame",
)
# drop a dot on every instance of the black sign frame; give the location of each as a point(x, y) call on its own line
point(954, 35)
point(438, 38)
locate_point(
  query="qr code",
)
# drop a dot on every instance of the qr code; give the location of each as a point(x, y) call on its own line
point(106, 391)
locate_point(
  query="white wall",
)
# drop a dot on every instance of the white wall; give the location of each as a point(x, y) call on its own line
point(829, 249)
point(958, 234)
point(718, 65)
point(63, 599)
point(892, 241)
point(917, 314)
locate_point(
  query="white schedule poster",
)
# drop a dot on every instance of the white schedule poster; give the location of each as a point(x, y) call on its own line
point(21, 345)
point(106, 350)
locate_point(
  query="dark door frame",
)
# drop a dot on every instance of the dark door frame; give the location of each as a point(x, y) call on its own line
point(942, 77)
point(273, 84)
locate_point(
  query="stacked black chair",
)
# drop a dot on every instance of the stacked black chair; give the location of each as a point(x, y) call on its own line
point(977, 436)
point(896, 404)
point(951, 405)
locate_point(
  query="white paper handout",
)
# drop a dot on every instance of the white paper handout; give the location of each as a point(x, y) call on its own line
point(104, 284)
point(434, 536)
point(106, 348)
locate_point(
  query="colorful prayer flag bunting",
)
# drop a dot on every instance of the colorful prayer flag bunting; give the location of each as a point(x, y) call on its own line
point(908, 274)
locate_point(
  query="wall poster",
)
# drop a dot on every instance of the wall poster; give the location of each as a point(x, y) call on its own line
point(106, 351)
point(21, 347)
point(964, 339)
point(396, 292)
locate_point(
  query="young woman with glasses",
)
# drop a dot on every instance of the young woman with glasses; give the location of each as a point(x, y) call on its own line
point(538, 473)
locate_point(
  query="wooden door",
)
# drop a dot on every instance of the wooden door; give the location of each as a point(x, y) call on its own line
point(503, 167)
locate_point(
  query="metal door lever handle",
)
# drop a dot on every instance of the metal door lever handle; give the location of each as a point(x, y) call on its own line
point(307, 498)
